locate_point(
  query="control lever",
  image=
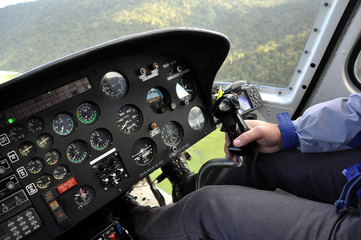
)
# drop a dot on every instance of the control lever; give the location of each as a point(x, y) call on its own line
point(226, 110)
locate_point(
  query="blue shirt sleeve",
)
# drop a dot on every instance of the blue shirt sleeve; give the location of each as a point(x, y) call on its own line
point(288, 131)
point(330, 126)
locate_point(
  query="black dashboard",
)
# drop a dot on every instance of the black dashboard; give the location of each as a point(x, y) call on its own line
point(78, 132)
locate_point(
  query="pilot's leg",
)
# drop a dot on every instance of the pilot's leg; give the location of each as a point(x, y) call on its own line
point(237, 212)
point(316, 176)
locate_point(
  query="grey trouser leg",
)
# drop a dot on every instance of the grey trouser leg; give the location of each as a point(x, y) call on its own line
point(237, 212)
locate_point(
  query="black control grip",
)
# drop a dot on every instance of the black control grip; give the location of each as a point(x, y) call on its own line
point(226, 110)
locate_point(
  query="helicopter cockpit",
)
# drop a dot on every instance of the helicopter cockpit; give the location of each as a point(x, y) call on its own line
point(79, 132)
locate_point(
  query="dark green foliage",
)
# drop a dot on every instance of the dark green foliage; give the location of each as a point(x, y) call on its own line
point(267, 37)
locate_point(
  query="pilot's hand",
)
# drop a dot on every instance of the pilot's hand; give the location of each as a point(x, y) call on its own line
point(266, 135)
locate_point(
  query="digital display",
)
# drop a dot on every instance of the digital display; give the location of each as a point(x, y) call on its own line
point(244, 103)
point(47, 100)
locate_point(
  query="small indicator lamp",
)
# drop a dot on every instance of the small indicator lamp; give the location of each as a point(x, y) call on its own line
point(11, 120)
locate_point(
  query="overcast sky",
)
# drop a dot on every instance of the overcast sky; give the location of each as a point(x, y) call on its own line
point(4, 3)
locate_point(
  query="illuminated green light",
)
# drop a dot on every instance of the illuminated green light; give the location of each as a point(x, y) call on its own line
point(11, 120)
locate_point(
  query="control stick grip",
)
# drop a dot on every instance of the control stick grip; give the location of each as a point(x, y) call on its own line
point(226, 110)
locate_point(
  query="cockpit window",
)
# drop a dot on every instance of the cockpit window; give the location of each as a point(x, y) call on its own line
point(267, 37)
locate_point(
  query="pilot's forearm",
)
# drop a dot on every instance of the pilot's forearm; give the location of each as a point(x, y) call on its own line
point(330, 126)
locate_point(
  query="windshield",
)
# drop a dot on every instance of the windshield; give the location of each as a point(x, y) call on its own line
point(267, 37)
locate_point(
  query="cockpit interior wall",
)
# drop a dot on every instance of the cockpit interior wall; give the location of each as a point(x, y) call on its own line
point(78, 132)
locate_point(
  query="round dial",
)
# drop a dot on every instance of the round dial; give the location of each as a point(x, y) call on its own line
point(197, 118)
point(114, 85)
point(52, 157)
point(35, 165)
point(129, 119)
point(156, 100)
point(100, 139)
point(77, 152)
point(143, 151)
point(35, 124)
point(44, 181)
point(60, 172)
point(63, 124)
point(84, 196)
point(87, 113)
point(17, 132)
point(172, 134)
point(27, 149)
point(185, 90)
point(45, 140)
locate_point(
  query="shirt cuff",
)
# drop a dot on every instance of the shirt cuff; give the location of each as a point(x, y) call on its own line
point(288, 131)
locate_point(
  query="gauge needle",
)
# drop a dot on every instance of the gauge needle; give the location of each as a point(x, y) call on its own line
point(46, 139)
point(27, 149)
point(125, 124)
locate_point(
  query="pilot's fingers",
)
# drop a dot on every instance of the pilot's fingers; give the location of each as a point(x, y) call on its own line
point(247, 137)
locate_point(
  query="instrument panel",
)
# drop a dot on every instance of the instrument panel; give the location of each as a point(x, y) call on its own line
point(84, 129)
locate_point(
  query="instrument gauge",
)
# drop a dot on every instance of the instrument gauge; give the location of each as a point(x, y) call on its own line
point(35, 124)
point(60, 172)
point(87, 113)
point(52, 157)
point(17, 132)
point(100, 139)
point(156, 100)
point(114, 85)
point(197, 118)
point(143, 151)
point(27, 149)
point(44, 141)
point(35, 165)
point(185, 90)
point(83, 196)
point(44, 181)
point(172, 134)
point(63, 124)
point(129, 119)
point(77, 152)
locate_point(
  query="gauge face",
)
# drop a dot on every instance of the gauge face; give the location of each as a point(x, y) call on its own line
point(44, 141)
point(172, 134)
point(60, 172)
point(196, 118)
point(185, 90)
point(44, 181)
point(63, 124)
point(87, 113)
point(77, 152)
point(114, 85)
point(27, 149)
point(35, 165)
point(143, 151)
point(17, 132)
point(156, 100)
point(52, 157)
point(35, 124)
point(100, 139)
point(84, 196)
point(129, 119)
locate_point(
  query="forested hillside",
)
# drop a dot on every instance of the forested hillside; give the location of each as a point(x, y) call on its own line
point(261, 32)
